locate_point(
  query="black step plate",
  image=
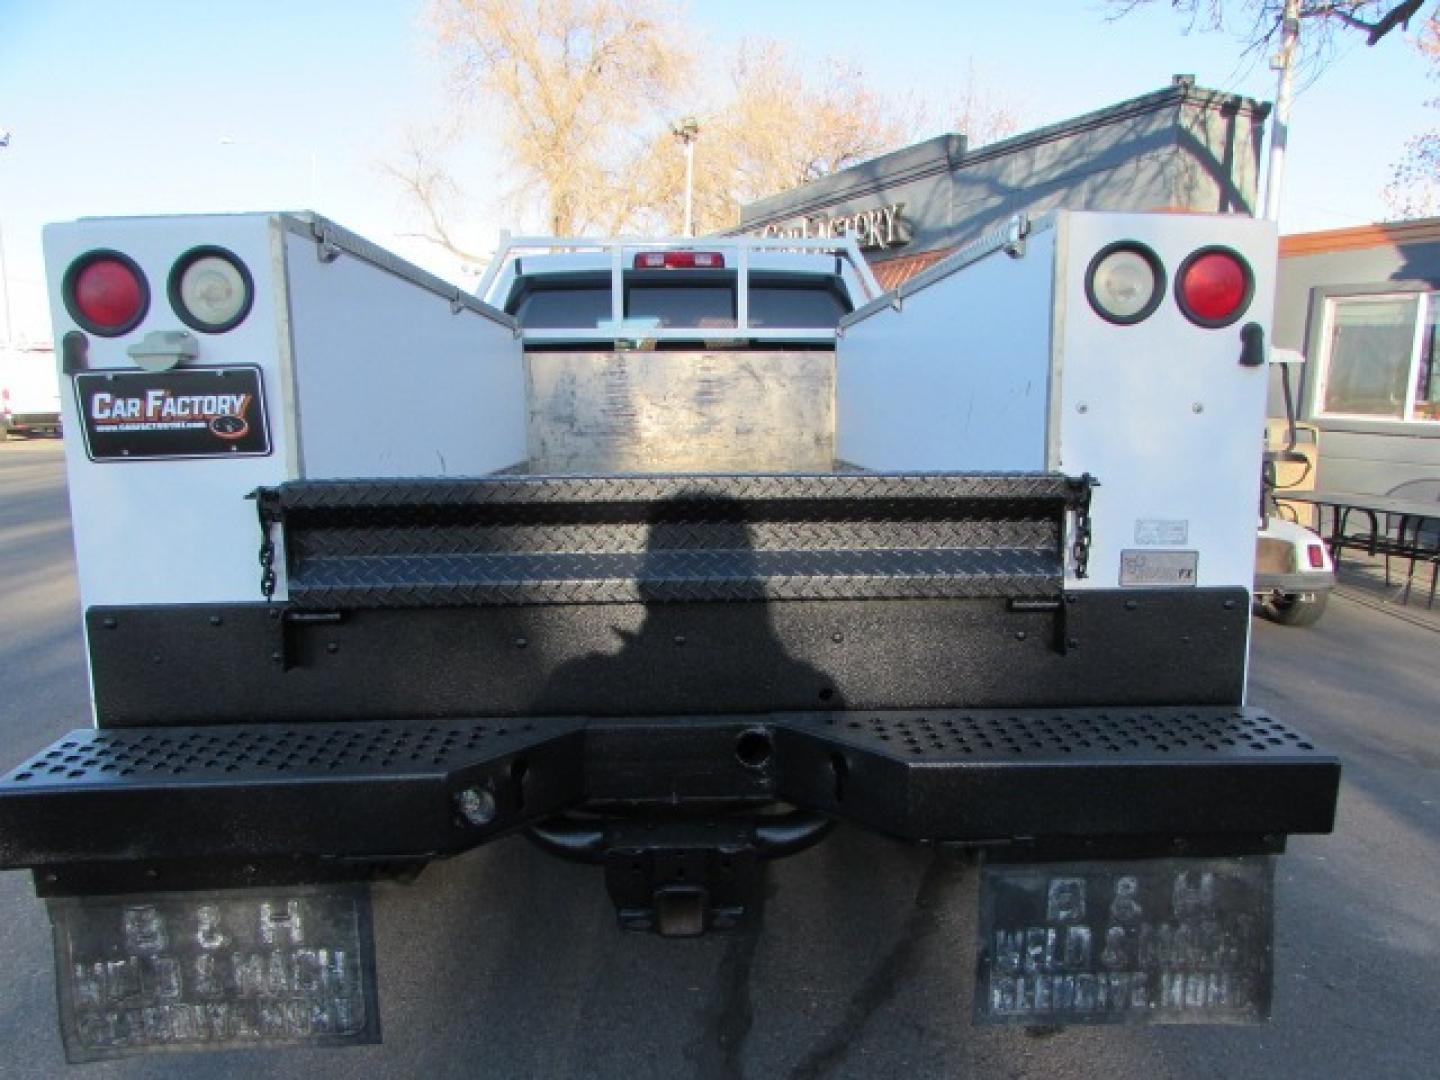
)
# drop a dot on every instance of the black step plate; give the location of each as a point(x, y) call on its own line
point(375, 791)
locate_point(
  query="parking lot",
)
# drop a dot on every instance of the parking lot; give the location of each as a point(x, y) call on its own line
point(507, 962)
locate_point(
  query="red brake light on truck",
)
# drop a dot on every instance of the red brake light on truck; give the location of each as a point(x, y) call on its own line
point(1214, 287)
point(679, 260)
point(105, 292)
point(211, 289)
point(1125, 282)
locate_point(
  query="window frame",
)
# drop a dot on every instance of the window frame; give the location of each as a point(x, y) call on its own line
point(1327, 300)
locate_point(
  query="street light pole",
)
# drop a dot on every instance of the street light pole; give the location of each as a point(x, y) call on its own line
point(687, 130)
point(4, 269)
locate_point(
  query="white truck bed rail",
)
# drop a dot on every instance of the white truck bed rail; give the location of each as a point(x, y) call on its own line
point(739, 253)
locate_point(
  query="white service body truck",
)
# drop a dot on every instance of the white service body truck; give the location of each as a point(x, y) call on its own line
point(29, 392)
point(672, 554)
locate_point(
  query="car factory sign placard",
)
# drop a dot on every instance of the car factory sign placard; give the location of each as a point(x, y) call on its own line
point(874, 230)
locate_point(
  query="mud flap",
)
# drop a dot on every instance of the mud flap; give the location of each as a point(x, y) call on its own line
point(218, 970)
point(1175, 941)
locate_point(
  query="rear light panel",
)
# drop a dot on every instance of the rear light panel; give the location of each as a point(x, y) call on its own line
point(211, 289)
point(1125, 282)
point(1316, 555)
point(1214, 287)
point(106, 293)
point(679, 260)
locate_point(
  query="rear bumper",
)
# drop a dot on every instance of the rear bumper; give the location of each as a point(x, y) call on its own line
point(1314, 582)
point(373, 792)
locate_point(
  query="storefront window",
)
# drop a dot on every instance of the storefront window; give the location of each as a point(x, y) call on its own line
point(1427, 371)
point(1382, 359)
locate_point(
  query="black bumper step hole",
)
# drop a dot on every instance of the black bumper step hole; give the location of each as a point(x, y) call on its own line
point(754, 748)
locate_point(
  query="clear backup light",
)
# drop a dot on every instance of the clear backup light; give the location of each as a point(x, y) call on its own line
point(1125, 282)
point(105, 292)
point(1214, 287)
point(211, 289)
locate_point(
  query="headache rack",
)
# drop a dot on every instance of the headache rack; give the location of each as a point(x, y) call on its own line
point(740, 254)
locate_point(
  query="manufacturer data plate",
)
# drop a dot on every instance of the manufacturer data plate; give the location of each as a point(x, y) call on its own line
point(1159, 567)
point(183, 413)
point(1159, 532)
point(1156, 941)
point(219, 970)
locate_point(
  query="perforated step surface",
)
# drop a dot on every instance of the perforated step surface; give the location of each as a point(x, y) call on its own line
point(996, 774)
point(335, 790)
point(1075, 735)
point(372, 790)
point(254, 752)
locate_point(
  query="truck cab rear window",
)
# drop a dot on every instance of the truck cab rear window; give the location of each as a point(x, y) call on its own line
point(683, 307)
point(563, 309)
point(700, 306)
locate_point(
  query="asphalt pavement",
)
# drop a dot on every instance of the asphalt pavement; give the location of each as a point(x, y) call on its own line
point(507, 962)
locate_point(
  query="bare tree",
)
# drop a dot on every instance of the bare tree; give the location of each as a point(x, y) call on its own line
point(424, 179)
point(778, 127)
point(567, 81)
point(583, 94)
point(983, 115)
point(1414, 188)
point(1260, 21)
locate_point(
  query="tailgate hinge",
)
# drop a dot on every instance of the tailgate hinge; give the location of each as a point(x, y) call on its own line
point(270, 514)
point(1080, 489)
point(326, 249)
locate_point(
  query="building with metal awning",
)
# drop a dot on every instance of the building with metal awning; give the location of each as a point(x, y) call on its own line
point(1181, 148)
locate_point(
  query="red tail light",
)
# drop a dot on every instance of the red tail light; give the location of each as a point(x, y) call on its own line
point(106, 293)
point(1316, 555)
point(1214, 287)
point(679, 260)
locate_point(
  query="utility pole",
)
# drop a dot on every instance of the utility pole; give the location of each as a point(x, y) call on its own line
point(687, 130)
point(4, 269)
point(5, 287)
point(1283, 62)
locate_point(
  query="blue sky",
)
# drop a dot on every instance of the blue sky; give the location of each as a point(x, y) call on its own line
point(141, 107)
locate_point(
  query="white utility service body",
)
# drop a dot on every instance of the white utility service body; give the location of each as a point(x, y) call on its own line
point(1036, 381)
point(356, 357)
point(670, 554)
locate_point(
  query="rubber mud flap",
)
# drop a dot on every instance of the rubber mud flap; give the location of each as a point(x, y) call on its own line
point(1171, 940)
point(219, 970)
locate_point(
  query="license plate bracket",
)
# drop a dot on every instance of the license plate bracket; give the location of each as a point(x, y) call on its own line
point(1173, 940)
point(215, 970)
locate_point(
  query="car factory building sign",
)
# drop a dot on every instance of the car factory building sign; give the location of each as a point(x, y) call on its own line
point(879, 229)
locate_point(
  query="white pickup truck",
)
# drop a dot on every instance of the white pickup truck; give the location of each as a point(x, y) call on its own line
point(670, 554)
